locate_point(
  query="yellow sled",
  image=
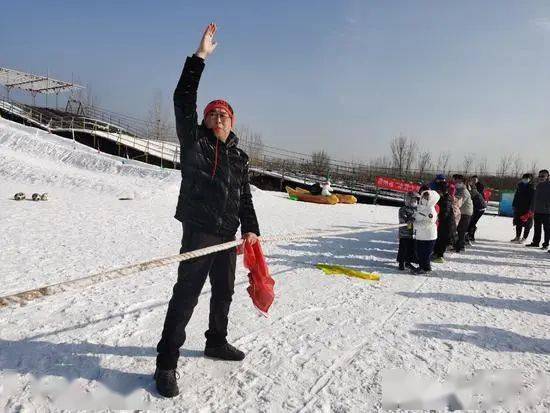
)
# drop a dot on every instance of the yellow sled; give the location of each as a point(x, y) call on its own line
point(307, 197)
point(342, 198)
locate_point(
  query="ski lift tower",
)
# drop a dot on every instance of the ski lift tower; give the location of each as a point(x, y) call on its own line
point(35, 84)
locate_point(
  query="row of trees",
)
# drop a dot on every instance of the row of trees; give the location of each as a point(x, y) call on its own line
point(251, 142)
point(405, 160)
point(409, 161)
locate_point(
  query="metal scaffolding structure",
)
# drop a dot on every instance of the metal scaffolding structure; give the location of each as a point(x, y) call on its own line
point(35, 84)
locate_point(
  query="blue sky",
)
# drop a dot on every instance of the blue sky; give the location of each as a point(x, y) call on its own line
point(344, 76)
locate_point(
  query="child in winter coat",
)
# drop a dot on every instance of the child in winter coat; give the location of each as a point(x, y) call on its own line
point(326, 189)
point(456, 203)
point(425, 230)
point(321, 189)
point(406, 252)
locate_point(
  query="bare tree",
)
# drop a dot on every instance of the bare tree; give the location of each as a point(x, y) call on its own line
point(320, 162)
point(534, 168)
point(256, 147)
point(244, 133)
point(251, 142)
point(504, 165)
point(381, 162)
point(467, 163)
point(157, 123)
point(443, 161)
point(482, 167)
point(517, 166)
point(403, 152)
point(424, 163)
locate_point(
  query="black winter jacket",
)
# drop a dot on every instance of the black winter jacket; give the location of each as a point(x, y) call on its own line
point(445, 215)
point(541, 200)
point(215, 188)
point(480, 188)
point(523, 198)
point(406, 216)
point(478, 200)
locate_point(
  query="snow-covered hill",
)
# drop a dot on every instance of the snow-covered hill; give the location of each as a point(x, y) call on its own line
point(327, 342)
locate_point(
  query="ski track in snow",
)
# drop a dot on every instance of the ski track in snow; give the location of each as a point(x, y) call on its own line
point(326, 342)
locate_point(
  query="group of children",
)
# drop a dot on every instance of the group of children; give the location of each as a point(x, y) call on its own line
point(439, 216)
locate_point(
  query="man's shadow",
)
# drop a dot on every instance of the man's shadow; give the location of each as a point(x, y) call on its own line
point(79, 360)
point(73, 361)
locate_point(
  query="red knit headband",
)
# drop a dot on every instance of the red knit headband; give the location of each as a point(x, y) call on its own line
point(220, 104)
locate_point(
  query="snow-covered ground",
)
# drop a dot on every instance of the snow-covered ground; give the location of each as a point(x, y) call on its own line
point(328, 340)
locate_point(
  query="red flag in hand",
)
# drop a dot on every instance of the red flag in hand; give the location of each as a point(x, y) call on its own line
point(261, 283)
point(526, 217)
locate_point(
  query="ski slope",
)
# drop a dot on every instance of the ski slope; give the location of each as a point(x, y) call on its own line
point(328, 342)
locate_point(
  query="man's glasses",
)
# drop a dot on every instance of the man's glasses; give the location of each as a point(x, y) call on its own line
point(221, 115)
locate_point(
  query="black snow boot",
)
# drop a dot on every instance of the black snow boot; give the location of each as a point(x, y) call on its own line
point(224, 352)
point(532, 245)
point(412, 268)
point(401, 266)
point(167, 382)
point(409, 265)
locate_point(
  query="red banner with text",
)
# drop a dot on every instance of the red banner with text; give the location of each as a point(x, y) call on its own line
point(397, 185)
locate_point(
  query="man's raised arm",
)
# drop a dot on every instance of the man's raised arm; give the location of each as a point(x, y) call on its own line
point(185, 95)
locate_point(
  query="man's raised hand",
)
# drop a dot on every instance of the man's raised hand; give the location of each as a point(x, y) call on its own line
point(208, 44)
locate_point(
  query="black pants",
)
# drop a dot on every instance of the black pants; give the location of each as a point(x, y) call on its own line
point(424, 251)
point(472, 228)
point(541, 221)
point(191, 278)
point(406, 252)
point(462, 229)
point(443, 238)
point(453, 234)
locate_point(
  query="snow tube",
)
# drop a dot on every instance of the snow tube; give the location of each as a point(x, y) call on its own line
point(346, 199)
point(342, 198)
point(307, 197)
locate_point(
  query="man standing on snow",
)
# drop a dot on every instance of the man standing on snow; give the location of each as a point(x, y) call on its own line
point(541, 208)
point(479, 204)
point(214, 199)
point(523, 199)
point(474, 181)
